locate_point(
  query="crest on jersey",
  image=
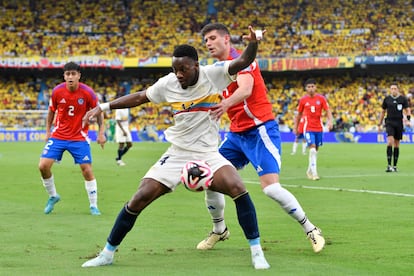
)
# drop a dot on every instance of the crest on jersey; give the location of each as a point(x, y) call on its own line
point(81, 101)
point(399, 107)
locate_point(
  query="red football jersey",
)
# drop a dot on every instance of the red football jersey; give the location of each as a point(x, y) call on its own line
point(311, 109)
point(301, 125)
point(70, 107)
point(254, 110)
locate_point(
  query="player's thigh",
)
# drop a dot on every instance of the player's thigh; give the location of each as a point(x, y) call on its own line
point(264, 151)
point(310, 138)
point(54, 149)
point(80, 151)
point(398, 132)
point(231, 149)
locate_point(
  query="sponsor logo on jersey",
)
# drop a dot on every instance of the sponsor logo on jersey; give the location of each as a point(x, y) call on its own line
point(62, 101)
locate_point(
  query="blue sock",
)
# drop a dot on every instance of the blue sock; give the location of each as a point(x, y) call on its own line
point(254, 241)
point(123, 224)
point(110, 247)
point(246, 214)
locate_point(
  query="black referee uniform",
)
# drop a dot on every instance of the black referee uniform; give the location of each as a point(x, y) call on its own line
point(394, 106)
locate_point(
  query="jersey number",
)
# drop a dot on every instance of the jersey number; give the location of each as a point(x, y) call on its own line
point(312, 109)
point(71, 110)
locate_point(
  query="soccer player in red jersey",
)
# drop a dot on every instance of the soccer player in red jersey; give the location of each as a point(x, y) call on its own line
point(310, 108)
point(69, 102)
point(253, 138)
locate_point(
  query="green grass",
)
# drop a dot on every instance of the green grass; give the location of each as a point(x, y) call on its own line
point(367, 233)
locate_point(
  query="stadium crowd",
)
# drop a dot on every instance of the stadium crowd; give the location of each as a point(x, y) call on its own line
point(145, 28)
point(129, 28)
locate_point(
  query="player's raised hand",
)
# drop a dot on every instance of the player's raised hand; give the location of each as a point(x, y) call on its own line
point(90, 116)
point(254, 35)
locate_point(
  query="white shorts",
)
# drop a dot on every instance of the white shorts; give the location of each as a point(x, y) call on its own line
point(167, 169)
point(121, 138)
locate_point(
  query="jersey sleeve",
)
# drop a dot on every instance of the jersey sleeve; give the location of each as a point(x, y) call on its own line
point(155, 93)
point(325, 105)
point(219, 72)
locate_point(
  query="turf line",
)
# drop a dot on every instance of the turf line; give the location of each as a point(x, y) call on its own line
point(340, 189)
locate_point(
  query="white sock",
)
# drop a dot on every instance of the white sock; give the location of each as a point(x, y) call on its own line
point(313, 155)
point(49, 185)
point(304, 144)
point(92, 190)
point(289, 203)
point(215, 203)
point(294, 147)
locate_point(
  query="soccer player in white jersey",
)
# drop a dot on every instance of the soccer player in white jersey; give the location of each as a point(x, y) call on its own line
point(191, 90)
point(122, 134)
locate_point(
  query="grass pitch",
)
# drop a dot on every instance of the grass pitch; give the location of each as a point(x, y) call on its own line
point(366, 216)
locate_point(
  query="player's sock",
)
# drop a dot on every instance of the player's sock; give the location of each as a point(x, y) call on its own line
point(215, 203)
point(246, 214)
point(124, 151)
point(119, 154)
point(304, 145)
point(289, 203)
point(49, 185)
point(396, 155)
point(123, 224)
point(109, 249)
point(92, 190)
point(312, 160)
point(294, 147)
point(389, 155)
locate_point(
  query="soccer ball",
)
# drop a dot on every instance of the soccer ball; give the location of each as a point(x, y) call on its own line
point(196, 176)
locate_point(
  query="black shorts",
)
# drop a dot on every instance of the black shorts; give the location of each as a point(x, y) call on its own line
point(394, 129)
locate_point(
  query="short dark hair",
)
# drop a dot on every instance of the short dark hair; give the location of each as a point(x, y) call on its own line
point(214, 26)
point(186, 50)
point(71, 66)
point(309, 81)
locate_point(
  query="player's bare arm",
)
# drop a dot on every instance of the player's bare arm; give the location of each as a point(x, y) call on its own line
point(126, 101)
point(296, 123)
point(49, 122)
point(245, 84)
point(381, 119)
point(101, 135)
point(330, 119)
point(248, 55)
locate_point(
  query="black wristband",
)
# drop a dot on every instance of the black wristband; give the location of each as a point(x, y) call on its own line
point(408, 117)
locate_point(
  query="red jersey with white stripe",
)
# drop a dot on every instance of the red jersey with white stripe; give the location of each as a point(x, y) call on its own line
point(254, 110)
point(311, 109)
point(70, 107)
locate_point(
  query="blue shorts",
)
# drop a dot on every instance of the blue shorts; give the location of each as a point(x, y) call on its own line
point(300, 136)
point(260, 146)
point(80, 150)
point(314, 138)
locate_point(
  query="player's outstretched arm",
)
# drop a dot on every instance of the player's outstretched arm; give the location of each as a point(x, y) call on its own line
point(126, 101)
point(249, 54)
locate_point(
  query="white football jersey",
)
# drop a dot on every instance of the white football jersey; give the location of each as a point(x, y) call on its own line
point(123, 116)
point(194, 129)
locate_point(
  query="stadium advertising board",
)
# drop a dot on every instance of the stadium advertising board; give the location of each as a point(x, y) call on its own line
point(137, 136)
point(386, 59)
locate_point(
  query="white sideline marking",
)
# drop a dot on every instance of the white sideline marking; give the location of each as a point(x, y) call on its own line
point(341, 189)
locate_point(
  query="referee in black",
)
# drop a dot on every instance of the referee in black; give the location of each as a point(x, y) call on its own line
point(396, 106)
